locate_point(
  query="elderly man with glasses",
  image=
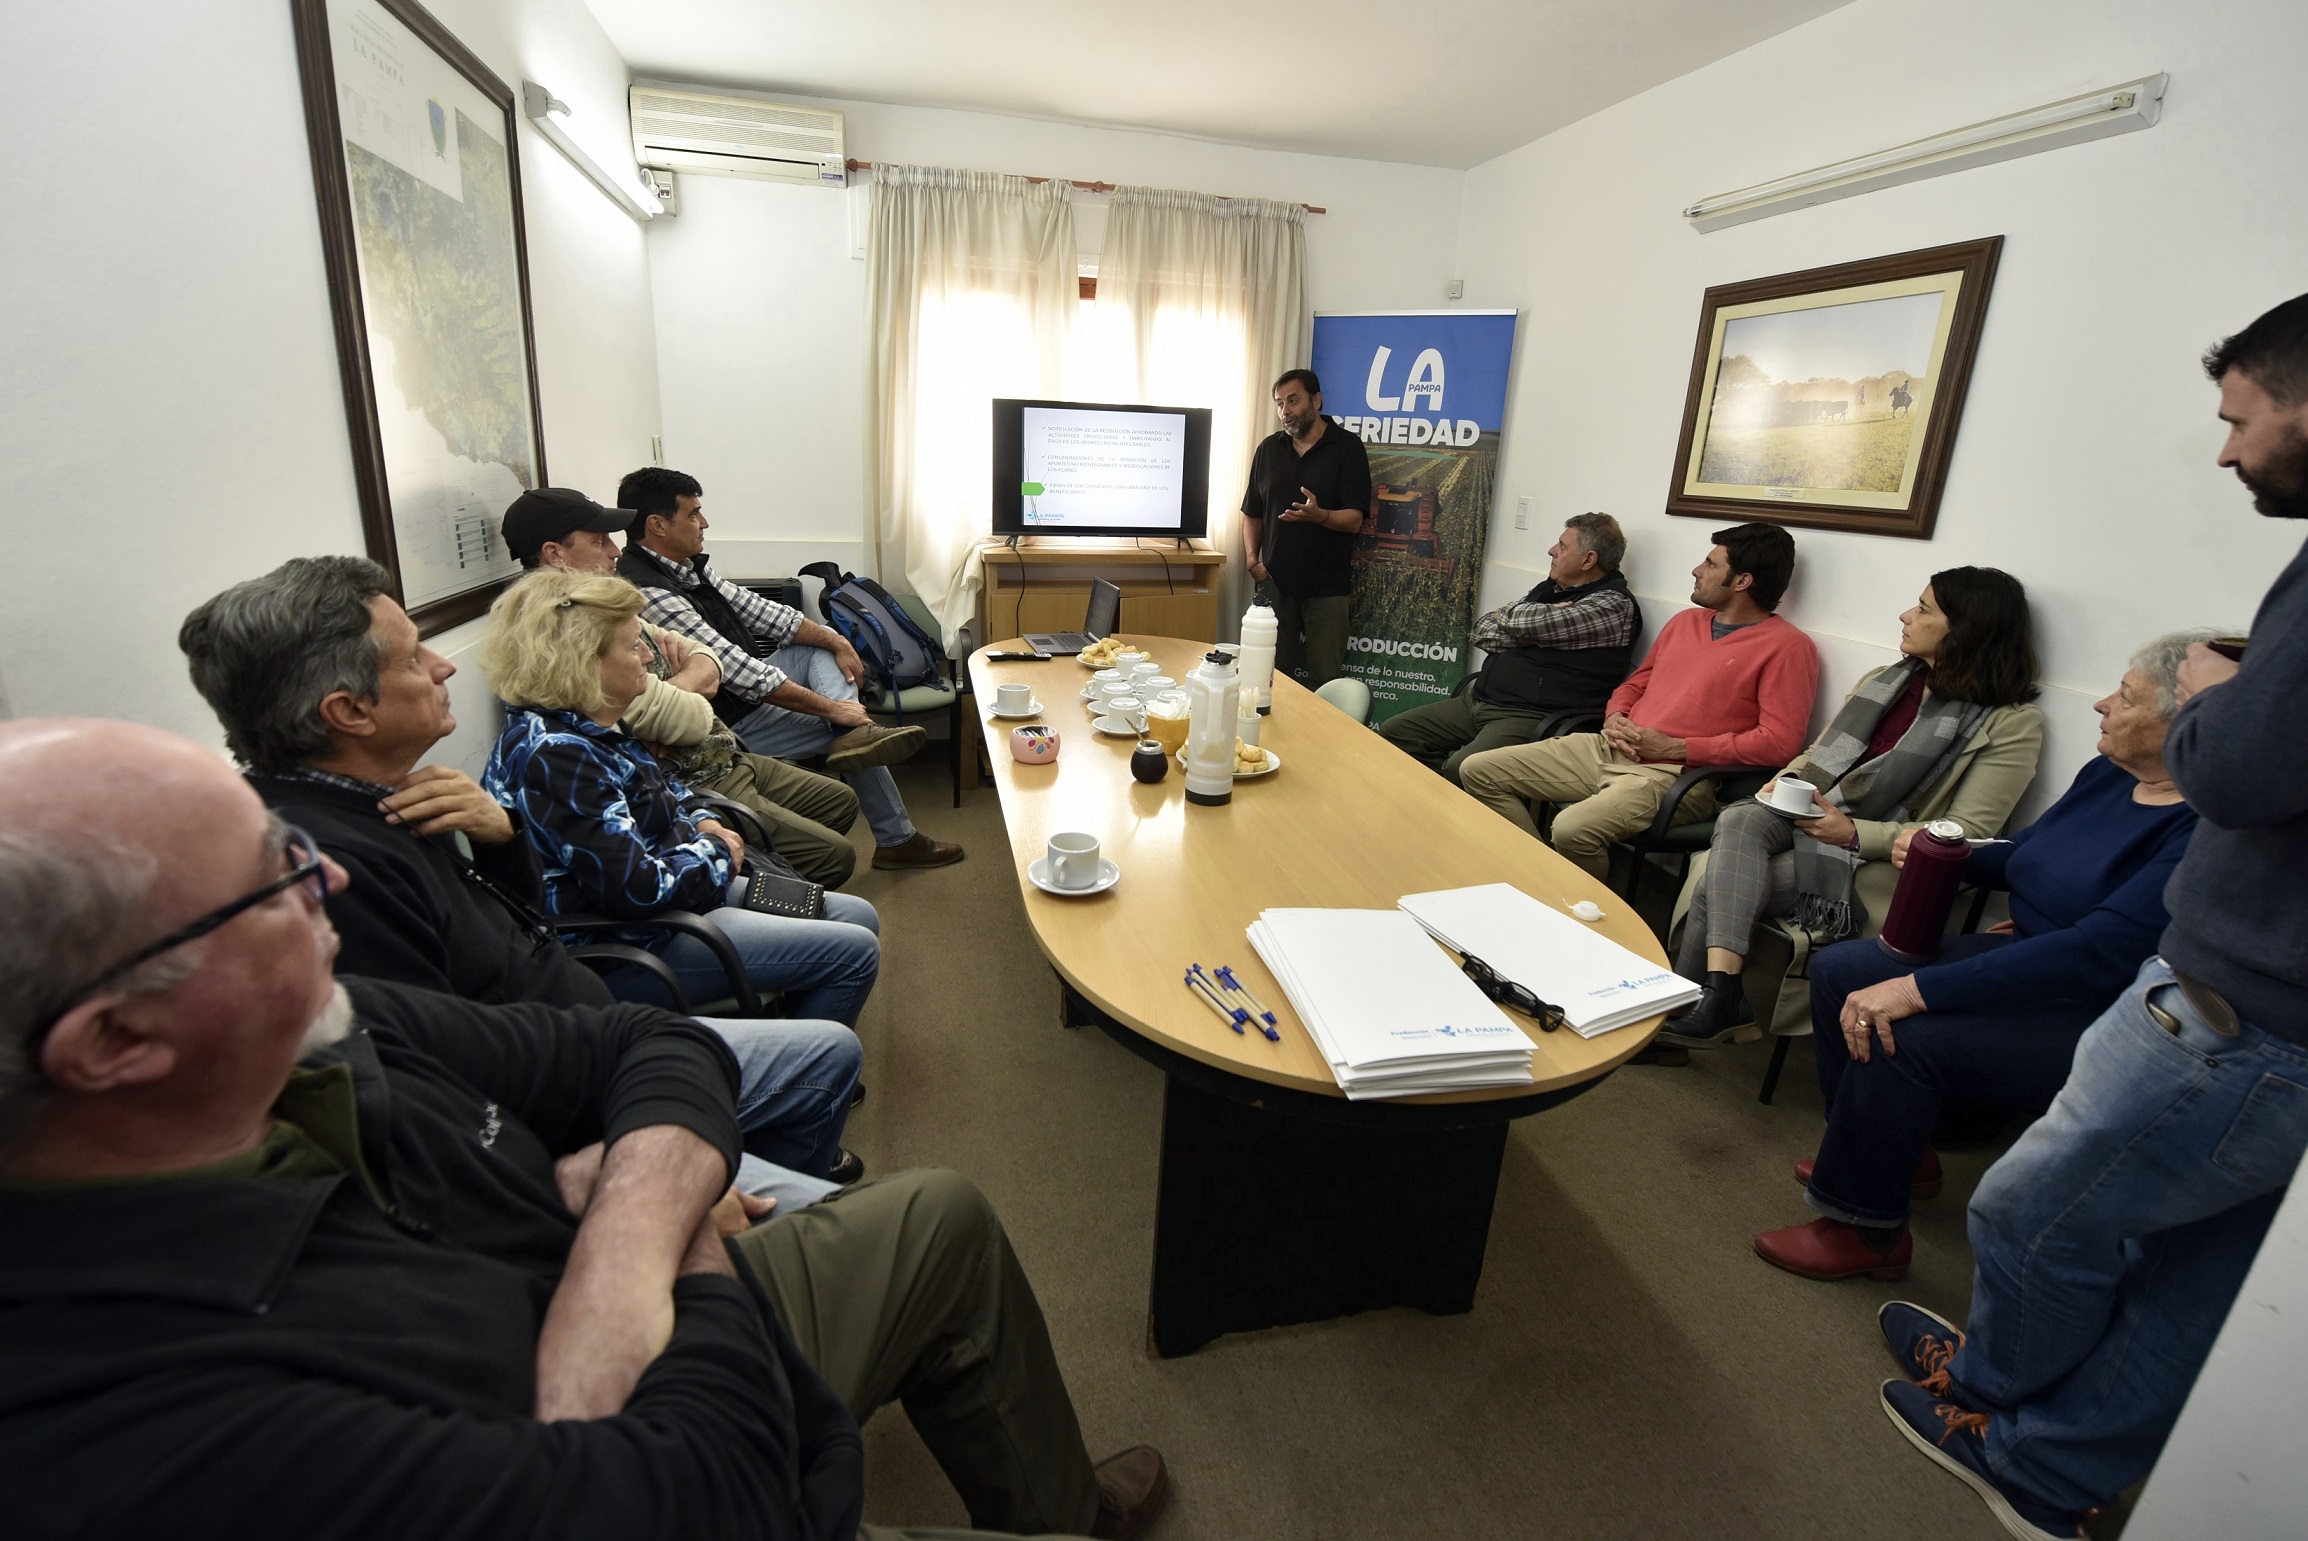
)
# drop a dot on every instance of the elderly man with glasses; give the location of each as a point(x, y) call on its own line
point(294, 1257)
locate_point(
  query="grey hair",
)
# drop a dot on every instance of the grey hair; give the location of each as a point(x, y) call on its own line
point(2159, 662)
point(1601, 538)
point(72, 909)
point(265, 653)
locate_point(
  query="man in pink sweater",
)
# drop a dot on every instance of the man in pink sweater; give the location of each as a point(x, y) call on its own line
point(1728, 683)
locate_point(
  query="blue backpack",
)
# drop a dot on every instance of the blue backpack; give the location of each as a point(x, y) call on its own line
point(898, 653)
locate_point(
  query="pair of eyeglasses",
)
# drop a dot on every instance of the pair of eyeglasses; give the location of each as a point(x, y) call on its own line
point(1507, 993)
point(304, 860)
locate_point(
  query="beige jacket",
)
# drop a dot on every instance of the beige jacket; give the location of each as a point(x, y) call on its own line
point(667, 714)
point(1979, 792)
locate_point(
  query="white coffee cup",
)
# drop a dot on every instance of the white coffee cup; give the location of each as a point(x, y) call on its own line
point(1073, 859)
point(1156, 685)
point(1140, 672)
point(1795, 796)
point(1106, 677)
point(1013, 699)
point(1129, 708)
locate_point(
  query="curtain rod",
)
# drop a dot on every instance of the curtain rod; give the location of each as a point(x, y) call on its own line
point(1092, 187)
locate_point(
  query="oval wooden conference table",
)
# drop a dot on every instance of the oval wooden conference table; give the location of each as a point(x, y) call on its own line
point(1279, 1200)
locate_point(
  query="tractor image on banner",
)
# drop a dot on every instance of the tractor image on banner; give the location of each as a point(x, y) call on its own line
point(1426, 392)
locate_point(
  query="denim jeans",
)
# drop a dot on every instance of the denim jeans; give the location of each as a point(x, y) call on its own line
point(1880, 1114)
point(2111, 1240)
point(784, 735)
point(794, 1081)
point(824, 968)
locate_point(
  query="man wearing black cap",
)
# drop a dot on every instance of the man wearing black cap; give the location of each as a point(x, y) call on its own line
point(809, 815)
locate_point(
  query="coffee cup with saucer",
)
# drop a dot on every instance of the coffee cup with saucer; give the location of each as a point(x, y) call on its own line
point(1797, 799)
point(1072, 866)
point(1015, 700)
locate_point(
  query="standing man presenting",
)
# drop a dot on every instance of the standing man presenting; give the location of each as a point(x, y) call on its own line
point(1309, 489)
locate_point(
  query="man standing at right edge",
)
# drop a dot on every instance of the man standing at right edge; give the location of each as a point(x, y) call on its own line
point(1309, 490)
point(2112, 1239)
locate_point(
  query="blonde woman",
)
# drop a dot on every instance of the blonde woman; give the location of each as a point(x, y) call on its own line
point(618, 835)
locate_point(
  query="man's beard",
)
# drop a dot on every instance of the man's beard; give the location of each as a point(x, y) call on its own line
point(2280, 489)
point(330, 1027)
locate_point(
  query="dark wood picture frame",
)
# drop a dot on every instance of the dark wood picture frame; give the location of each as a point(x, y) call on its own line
point(1950, 375)
point(340, 252)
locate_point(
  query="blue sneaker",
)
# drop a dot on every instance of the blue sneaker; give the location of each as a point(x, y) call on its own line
point(1922, 1341)
point(1956, 1438)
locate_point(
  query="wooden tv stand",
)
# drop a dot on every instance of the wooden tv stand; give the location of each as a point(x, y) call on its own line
point(1168, 590)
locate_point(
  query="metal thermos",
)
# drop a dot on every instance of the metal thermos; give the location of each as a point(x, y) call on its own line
point(1927, 883)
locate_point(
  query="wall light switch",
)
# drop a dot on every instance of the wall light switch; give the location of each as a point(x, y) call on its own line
point(1522, 513)
point(1458, 289)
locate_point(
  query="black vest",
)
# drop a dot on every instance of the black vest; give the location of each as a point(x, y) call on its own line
point(1554, 679)
point(646, 575)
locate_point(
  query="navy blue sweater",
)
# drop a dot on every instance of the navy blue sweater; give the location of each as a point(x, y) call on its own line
point(2240, 753)
point(2087, 883)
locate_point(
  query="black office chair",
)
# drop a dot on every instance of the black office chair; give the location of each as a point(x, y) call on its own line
point(743, 999)
point(1665, 837)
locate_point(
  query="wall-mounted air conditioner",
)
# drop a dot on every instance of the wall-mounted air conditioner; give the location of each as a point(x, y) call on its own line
point(736, 136)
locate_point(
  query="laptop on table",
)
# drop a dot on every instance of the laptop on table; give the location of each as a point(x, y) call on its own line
point(1098, 621)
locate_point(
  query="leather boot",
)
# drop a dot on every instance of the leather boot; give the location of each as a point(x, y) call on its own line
point(1131, 1488)
point(1828, 1249)
point(871, 745)
point(1709, 1021)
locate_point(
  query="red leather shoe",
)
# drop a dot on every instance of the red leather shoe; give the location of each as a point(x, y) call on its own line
point(1828, 1249)
point(1925, 1185)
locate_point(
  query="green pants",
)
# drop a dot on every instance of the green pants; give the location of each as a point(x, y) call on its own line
point(1311, 632)
point(905, 1290)
point(1443, 733)
point(808, 815)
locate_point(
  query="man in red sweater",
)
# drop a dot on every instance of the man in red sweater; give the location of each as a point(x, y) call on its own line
point(1728, 683)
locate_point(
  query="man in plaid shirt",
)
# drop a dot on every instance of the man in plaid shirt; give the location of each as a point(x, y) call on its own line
point(800, 701)
point(1564, 646)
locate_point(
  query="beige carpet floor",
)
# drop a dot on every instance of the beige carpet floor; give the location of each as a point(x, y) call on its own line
point(1630, 1367)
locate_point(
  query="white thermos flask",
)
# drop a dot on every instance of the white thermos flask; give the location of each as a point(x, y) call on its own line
point(1212, 695)
point(1259, 631)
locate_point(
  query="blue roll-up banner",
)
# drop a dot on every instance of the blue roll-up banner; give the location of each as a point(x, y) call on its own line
point(1426, 390)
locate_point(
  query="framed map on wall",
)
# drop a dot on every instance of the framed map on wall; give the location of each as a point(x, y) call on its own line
point(419, 187)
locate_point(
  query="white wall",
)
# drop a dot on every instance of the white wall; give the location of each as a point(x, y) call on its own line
point(2084, 465)
point(761, 307)
point(170, 409)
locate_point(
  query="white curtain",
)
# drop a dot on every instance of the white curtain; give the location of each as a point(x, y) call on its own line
point(974, 288)
point(1201, 303)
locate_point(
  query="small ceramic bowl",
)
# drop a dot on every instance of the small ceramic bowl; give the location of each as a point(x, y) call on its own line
point(1034, 744)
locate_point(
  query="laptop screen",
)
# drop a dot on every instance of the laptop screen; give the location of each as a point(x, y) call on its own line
point(1105, 609)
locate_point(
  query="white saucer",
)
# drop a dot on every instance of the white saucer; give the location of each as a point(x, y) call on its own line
point(1273, 764)
point(1038, 872)
point(1811, 812)
point(1033, 709)
point(1115, 727)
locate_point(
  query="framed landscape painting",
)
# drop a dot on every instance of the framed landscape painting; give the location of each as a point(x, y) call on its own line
point(418, 180)
point(1831, 398)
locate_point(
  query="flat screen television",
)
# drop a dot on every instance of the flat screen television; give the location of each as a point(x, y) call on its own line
point(1089, 468)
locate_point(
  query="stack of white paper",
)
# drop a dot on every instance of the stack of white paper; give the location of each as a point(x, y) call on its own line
point(1389, 1010)
point(1598, 984)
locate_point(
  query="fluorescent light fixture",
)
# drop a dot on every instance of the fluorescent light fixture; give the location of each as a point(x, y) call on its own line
point(539, 105)
point(2135, 104)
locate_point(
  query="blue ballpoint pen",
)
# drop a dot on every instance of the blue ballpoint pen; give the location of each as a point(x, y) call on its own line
point(1232, 1018)
point(1265, 1028)
point(1226, 976)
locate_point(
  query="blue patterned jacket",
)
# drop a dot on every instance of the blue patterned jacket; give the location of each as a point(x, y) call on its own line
point(609, 823)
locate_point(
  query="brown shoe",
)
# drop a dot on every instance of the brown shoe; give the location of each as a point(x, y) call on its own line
point(871, 745)
point(1131, 1488)
point(920, 851)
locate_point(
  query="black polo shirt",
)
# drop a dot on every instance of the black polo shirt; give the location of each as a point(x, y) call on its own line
point(1306, 560)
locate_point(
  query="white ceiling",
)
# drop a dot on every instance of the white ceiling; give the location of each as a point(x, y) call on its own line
point(1447, 83)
